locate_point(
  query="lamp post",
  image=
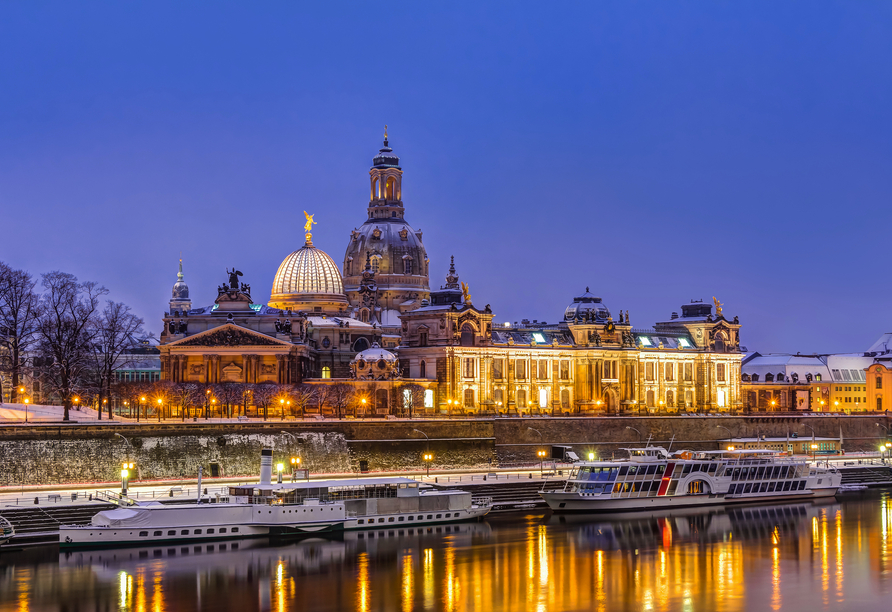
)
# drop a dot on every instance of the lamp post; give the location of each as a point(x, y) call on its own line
point(26, 409)
point(728, 430)
point(126, 468)
point(635, 430)
point(428, 457)
point(159, 409)
point(591, 456)
point(812, 435)
point(814, 449)
point(295, 465)
point(541, 454)
point(142, 400)
point(279, 469)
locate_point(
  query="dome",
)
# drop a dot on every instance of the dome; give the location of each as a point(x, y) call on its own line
point(395, 252)
point(308, 278)
point(375, 353)
point(386, 158)
point(375, 364)
point(587, 306)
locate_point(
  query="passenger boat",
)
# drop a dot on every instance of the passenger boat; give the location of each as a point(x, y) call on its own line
point(277, 509)
point(653, 478)
point(380, 502)
point(7, 531)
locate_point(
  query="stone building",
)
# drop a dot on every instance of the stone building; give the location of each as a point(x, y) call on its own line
point(447, 356)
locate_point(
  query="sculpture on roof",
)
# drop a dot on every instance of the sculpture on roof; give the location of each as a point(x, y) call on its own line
point(466, 293)
point(308, 227)
point(233, 278)
point(718, 306)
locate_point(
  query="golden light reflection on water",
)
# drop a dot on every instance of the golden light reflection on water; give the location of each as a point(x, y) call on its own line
point(808, 557)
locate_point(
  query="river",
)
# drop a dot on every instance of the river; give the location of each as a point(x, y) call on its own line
point(830, 556)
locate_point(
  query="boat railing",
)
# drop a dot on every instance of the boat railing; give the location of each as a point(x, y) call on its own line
point(115, 498)
point(482, 501)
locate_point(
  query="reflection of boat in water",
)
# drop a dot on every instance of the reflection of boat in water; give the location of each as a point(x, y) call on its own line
point(653, 478)
point(699, 525)
point(242, 558)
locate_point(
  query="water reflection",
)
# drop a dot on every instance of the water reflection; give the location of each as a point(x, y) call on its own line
point(795, 556)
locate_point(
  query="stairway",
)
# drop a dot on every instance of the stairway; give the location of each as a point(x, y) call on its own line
point(42, 524)
point(507, 496)
point(874, 476)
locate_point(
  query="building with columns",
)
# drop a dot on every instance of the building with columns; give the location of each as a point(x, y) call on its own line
point(436, 351)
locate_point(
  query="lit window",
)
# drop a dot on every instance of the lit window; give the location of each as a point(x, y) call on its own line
point(645, 341)
point(538, 337)
point(326, 372)
point(683, 343)
point(428, 398)
point(543, 398)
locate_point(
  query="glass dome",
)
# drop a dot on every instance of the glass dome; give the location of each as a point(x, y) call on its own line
point(586, 306)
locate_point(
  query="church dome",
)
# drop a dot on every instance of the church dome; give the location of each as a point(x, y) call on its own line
point(306, 280)
point(180, 290)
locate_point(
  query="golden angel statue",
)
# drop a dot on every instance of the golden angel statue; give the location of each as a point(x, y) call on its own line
point(718, 306)
point(466, 293)
point(308, 226)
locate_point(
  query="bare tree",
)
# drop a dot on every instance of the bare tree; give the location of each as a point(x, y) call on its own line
point(341, 396)
point(19, 315)
point(301, 397)
point(114, 331)
point(263, 394)
point(67, 309)
point(410, 397)
point(184, 394)
point(321, 395)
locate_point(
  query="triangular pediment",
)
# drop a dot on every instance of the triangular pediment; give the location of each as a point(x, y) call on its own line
point(229, 335)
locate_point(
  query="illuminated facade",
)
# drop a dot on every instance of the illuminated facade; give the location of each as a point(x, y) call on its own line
point(449, 351)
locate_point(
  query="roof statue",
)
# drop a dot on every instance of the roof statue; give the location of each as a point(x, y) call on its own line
point(308, 227)
point(233, 278)
point(718, 306)
point(466, 293)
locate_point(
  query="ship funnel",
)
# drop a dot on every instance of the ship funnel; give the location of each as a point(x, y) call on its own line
point(266, 465)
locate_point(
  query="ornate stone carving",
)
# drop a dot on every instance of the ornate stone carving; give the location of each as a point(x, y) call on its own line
point(230, 337)
point(267, 368)
point(196, 369)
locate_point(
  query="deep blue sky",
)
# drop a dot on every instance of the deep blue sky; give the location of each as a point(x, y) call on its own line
point(657, 152)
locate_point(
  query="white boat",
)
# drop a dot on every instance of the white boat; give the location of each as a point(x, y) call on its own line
point(652, 478)
point(7, 531)
point(380, 502)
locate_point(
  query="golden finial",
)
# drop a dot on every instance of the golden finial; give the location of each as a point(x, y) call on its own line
point(718, 306)
point(308, 226)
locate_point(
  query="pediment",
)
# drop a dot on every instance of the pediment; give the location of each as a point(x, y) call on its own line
point(229, 335)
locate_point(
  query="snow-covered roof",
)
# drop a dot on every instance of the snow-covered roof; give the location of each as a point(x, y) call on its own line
point(787, 365)
point(883, 345)
point(319, 321)
point(388, 317)
point(374, 354)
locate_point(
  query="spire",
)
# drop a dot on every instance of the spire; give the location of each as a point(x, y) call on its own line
point(180, 273)
point(452, 277)
point(385, 134)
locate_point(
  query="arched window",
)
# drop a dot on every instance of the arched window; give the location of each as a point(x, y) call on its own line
point(670, 398)
point(565, 399)
point(376, 192)
point(543, 397)
point(326, 372)
point(361, 344)
point(879, 382)
point(469, 398)
point(376, 261)
point(422, 369)
point(755, 378)
point(745, 377)
point(391, 188)
point(497, 397)
point(521, 397)
point(428, 398)
point(769, 377)
point(467, 335)
point(364, 316)
point(407, 265)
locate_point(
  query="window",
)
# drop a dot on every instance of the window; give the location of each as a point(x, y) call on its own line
point(879, 404)
point(197, 532)
point(234, 530)
point(650, 398)
point(543, 397)
point(184, 532)
point(649, 371)
point(539, 337)
point(498, 397)
point(422, 336)
point(521, 397)
point(565, 399)
point(211, 530)
point(520, 369)
point(470, 367)
point(879, 382)
point(670, 371)
point(422, 370)
point(543, 369)
point(689, 372)
point(172, 532)
point(565, 369)
point(143, 534)
point(721, 398)
point(670, 398)
point(720, 372)
point(497, 366)
point(407, 265)
point(469, 398)
point(428, 398)
point(467, 335)
point(157, 533)
point(375, 263)
point(326, 372)
point(222, 529)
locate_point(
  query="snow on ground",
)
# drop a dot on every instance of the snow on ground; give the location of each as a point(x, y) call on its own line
point(36, 412)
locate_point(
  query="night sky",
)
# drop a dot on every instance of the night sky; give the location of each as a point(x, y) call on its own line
point(657, 152)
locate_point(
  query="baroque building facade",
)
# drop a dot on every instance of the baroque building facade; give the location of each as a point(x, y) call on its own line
point(377, 323)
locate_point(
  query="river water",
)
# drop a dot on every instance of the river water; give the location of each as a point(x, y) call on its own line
point(830, 556)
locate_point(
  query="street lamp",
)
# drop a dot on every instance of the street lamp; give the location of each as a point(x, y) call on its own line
point(26, 409)
point(126, 468)
point(591, 456)
point(159, 409)
point(814, 449)
point(728, 430)
point(812, 433)
point(281, 407)
point(541, 454)
point(295, 465)
point(635, 430)
point(142, 400)
point(279, 469)
point(428, 457)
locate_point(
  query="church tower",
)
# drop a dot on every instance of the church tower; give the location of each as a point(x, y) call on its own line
point(179, 294)
point(393, 250)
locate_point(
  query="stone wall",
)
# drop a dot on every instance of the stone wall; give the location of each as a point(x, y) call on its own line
point(93, 453)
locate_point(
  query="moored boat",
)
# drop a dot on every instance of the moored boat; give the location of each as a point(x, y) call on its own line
point(7, 531)
point(652, 478)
